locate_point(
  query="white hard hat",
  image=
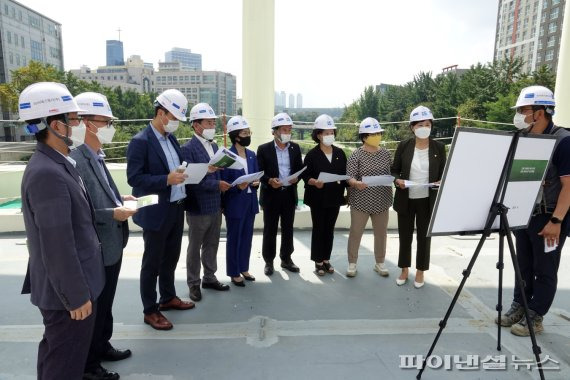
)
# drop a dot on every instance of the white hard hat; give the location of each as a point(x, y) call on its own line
point(202, 111)
point(175, 102)
point(535, 96)
point(43, 99)
point(421, 113)
point(281, 119)
point(370, 125)
point(324, 122)
point(94, 103)
point(237, 123)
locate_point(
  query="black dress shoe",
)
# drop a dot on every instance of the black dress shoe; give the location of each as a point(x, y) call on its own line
point(238, 283)
point(113, 354)
point(248, 278)
point(217, 285)
point(101, 373)
point(195, 293)
point(268, 270)
point(290, 266)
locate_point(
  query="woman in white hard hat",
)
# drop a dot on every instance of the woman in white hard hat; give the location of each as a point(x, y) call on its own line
point(368, 201)
point(239, 204)
point(324, 199)
point(418, 162)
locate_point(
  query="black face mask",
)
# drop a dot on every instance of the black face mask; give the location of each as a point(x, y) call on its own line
point(244, 141)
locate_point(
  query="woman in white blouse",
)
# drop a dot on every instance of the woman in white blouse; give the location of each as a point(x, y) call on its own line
point(419, 160)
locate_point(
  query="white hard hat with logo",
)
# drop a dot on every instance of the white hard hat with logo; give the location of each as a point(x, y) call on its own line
point(324, 122)
point(237, 123)
point(44, 99)
point(535, 96)
point(94, 103)
point(370, 125)
point(421, 113)
point(202, 111)
point(281, 119)
point(175, 102)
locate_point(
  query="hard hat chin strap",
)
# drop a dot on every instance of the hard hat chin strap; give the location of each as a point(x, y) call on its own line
point(63, 138)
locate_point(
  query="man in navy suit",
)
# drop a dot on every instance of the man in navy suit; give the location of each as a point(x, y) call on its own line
point(153, 157)
point(110, 221)
point(278, 159)
point(65, 268)
point(204, 212)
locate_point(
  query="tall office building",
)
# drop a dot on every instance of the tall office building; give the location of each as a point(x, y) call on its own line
point(187, 59)
point(531, 30)
point(299, 101)
point(291, 101)
point(283, 99)
point(115, 55)
point(26, 35)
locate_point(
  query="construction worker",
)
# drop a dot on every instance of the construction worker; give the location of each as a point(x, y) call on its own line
point(65, 268)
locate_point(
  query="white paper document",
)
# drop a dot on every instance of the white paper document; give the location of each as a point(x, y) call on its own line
point(195, 173)
point(293, 176)
point(378, 180)
point(247, 178)
point(408, 184)
point(224, 158)
point(147, 200)
point(549, 249)
point(329, 177)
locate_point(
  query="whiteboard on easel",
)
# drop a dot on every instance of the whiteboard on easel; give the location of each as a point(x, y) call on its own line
point(473, 171)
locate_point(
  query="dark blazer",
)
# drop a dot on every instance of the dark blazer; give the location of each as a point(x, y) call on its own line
point(114, 235)
point(147, 172)
point(403, 162)
point(332, 194)
point(205, 197)
point(65, 268)
point(238, 203)
point(267, 160)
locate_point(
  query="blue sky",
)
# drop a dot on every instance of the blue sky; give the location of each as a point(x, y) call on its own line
point(326, 50)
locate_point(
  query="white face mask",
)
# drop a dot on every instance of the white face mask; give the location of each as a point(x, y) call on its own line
point(105, 135)
point(422, 132)
point(519, 122)
point(209, 134)
point(285, 138)
point(172, 126)
point(78, 135)
point(328, 140)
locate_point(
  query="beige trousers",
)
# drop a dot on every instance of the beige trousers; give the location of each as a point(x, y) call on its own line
point(358, 220)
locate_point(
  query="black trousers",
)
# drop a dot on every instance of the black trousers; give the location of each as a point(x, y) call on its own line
point(281, 206)
point(539, 269)
point(63, 350)
point(322, 236)
point(418, 214)
point(160, 257)
point(103, 329)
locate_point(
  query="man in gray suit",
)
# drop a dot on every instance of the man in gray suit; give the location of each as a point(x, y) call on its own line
point(111, 223)
point(65, 268)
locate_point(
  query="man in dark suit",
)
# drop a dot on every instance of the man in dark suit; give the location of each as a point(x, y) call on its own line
point(65, 269)
point(111, 223)
point(153, 158)
point(279, 159)
point(203, 206)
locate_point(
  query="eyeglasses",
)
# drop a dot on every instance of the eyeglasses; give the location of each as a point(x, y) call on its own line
point(107, 124)
point(525, 109)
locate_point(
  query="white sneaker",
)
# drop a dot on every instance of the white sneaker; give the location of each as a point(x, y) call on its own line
point(381, 269)
point(351, 271)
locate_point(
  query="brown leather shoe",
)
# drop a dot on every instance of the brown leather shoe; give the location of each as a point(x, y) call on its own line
point(157, 321)
point(176, 304)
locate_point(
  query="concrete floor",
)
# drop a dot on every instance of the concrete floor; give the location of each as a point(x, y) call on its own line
point(301, 326)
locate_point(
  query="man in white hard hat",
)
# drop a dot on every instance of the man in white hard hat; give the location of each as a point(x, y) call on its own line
point(203, 208)
point(65, 269)
point(110, 220)
point(538, 246)
point(279, 159)
point(153, 157)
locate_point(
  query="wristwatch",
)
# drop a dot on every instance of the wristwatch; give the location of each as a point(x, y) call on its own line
point(555, 220)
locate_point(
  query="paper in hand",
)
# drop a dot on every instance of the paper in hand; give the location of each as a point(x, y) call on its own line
point(247, 178)
point(293, 176)
point(378, 180)
point(147, 200)
point(329, 177)
point(195, 173)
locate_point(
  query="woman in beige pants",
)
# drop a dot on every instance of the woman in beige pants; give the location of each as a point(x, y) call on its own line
point(368, 202)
